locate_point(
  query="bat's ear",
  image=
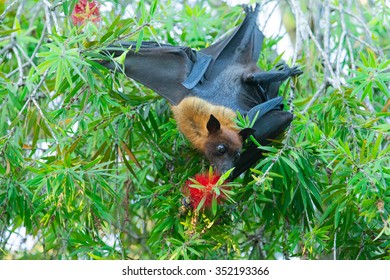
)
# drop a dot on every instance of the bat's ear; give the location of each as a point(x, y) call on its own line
point(213, 125)
point(246, 132)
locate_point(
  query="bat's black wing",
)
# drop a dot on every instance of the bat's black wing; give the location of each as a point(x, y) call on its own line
point(175, 72)
point(232, 78)
point(242, 47)
point(161, 67)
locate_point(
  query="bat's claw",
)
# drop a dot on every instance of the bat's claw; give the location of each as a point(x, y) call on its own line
point(249, 8)
point(280, 66)
point(295, 71)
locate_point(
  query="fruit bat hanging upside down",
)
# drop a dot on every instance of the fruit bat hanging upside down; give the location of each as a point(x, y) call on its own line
point(206, 88)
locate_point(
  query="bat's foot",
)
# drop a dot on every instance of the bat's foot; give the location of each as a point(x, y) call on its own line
point(249, 8)
point(293, 71)
point(281, 66)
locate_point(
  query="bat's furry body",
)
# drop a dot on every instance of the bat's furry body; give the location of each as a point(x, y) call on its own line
point(207, 87)
point(192, 115)
point(211, 129)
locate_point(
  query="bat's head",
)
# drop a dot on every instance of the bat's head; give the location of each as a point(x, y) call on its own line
point(223, 145)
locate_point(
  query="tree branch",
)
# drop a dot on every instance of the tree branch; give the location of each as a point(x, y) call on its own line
point(334, 81)
point(326, 39)
point(318, 93)
point(33, 54)
point(7, 8)
point(20, 66)
point(45, 119)
point(51, 10)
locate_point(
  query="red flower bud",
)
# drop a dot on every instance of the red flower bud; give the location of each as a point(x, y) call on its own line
point(85, 10)
point(205, 189)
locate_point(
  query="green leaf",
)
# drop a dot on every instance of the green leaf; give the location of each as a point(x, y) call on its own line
point(139, 40)
point(192, 250)
point(214, 206)
point(201, 203)
point(290, 163)
point(153, 7)
point(121, 59)
point(59, 75)
point(268, 149)
point(8, 32)
point(364, 59)
point(16, 25)
point(105, 37)
point(383, 88)
point(224, 177)
point(367, 91)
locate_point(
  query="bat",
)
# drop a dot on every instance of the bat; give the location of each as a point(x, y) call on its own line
point(207, 87)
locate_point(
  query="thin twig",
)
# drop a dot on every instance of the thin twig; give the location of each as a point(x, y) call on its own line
point(364, 43)
point(43, 78)
point(7, 8)
point(6, 49)
point(349, 45)
point(4, 102)
point(57, 5)
point(35, 13)
point(19, 11)
point(33, 54)
point(20, 66)
point(14, 128)
point(362, 10)
point(45, 119)
point(346, 35)
point(119, 38)
point(298, 39)
point(334, 81)
point(39, 42)
point(338, 54)
point(48, 21)
point(30, 98)
point(326, 38)
point(26, 57)
point(341, 9)
point(315, 97)
point(5, 38)
point(270, 14)
point(51, 8)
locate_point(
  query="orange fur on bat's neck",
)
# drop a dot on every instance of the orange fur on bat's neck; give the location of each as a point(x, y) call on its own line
point(192, 115)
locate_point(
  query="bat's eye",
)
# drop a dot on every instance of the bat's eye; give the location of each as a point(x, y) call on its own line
point(221, 149)
point(237, 156)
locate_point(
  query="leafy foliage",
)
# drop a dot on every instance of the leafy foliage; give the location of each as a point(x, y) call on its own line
point(92, 164)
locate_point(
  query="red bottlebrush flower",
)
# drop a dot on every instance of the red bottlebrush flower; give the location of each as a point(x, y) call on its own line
point(85, 10)
point(205, 188)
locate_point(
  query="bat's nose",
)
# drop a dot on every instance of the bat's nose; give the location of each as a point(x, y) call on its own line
point(224, 167)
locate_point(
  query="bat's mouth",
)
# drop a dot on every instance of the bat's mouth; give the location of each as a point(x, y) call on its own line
point(222, 169)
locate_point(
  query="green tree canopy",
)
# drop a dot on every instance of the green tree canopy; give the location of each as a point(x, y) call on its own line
point(92, 165)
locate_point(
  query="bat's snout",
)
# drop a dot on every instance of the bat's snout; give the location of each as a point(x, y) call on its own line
point(223, 167)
